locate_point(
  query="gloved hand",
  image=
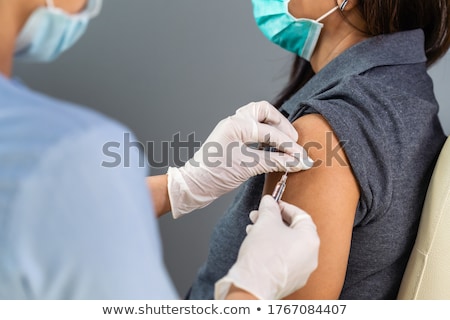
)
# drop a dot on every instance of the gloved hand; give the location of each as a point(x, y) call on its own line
point(275, 259)
point(225, 161)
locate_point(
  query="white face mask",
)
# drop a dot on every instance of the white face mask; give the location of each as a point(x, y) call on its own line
point(50, 31)
point(299, 36)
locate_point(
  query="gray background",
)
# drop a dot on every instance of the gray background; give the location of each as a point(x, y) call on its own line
point(163, 67)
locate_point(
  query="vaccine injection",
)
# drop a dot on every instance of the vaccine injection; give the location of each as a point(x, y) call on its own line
point(279, 188)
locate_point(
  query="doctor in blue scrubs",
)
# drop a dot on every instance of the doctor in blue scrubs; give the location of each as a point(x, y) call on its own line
point(71, 228)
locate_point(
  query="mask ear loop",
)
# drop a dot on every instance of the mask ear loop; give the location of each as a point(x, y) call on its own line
point(91, 14)
point(341, 7)
point(327, 14)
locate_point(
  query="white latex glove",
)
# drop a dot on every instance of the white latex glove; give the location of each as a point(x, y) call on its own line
point(275, 259)
point(225, 161)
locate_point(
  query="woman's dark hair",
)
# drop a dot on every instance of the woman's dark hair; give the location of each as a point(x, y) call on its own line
point(384, 17)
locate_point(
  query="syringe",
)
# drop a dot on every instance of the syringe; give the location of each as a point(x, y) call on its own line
point(279, 188)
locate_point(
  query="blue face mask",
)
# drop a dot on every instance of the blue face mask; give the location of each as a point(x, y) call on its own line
point(50, 31)
point(299, 36)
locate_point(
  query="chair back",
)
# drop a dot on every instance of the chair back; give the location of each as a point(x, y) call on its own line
point(427, 274)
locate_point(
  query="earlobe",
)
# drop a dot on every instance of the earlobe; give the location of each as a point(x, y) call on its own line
point(346, 4)
point(343, 5)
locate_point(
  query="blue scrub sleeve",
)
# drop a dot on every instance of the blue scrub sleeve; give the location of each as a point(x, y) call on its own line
point(84, 230)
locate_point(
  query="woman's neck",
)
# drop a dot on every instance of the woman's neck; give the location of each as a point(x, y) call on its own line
point(326, 51)
point(337, 36)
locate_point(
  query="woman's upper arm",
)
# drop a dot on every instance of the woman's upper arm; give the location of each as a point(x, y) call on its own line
point(329, 192)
